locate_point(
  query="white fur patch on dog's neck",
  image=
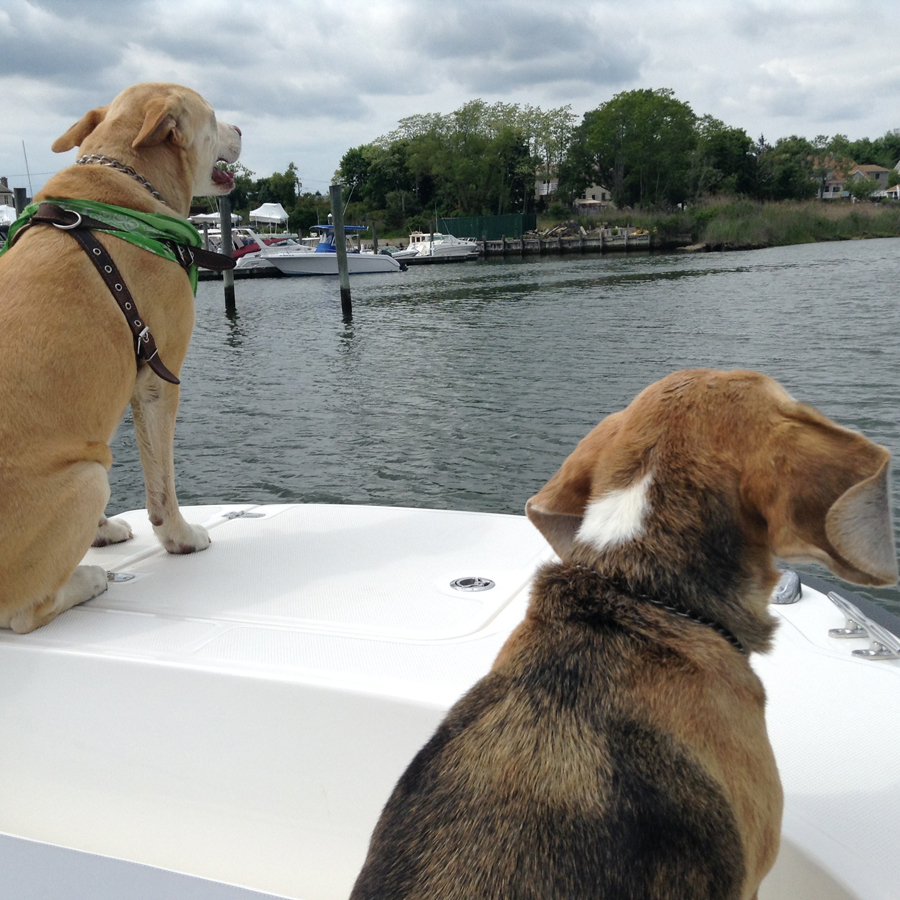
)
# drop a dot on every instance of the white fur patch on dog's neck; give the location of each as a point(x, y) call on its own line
point(617, 516)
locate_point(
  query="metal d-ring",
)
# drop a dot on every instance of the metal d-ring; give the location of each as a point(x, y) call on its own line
point(73, 225)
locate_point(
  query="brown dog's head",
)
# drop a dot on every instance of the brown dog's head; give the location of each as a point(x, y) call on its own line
point(168, 133)
point(706, 444)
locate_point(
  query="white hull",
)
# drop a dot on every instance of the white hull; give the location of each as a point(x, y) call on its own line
point(326, 263)
point(242, 714)
point(253, 261)
point(436, 248)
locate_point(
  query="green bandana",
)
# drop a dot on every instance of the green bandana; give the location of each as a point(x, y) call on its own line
point(146, 230)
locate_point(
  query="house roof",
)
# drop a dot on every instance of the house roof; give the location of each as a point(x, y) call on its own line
point(836, 169)
point(870, 168)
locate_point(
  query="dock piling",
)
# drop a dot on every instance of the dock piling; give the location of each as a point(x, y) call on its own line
point(227, 244)
point(340, 244)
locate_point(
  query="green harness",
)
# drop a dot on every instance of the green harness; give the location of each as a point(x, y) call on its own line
point(145, 230)
point(167, 237)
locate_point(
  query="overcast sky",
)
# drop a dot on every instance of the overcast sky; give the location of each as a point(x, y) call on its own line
point(305, 81)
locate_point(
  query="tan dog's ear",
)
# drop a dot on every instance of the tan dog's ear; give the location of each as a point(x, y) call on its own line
point(160, 124)
point(835, 504)
point(75, 136)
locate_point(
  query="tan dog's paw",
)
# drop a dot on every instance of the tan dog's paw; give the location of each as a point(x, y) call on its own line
point(85, 583)
point(179, 537)
point(112, 531)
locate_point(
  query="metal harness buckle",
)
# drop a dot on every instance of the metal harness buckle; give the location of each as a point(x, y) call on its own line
point(75, 224)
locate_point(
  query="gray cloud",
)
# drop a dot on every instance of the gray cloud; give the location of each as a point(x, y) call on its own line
point(39, 44)
point(310, 80)
point(506, 46)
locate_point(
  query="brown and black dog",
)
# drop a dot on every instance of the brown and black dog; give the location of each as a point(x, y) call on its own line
point(618, 746)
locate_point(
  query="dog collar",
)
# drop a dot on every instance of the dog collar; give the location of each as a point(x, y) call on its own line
point(626, 591)
point(96, 159)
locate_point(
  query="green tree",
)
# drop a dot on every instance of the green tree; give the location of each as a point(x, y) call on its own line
point(723, 160)
point(280, 187)
point(786, 171)
point(244, 190)
point(890, 143)
point(862, 188)
point(479, 159)
point(354, 168)
point(310, 209)
point(640, 145)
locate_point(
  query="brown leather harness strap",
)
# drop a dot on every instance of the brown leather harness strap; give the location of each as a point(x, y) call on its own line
point(80, 227)
point(145, 345)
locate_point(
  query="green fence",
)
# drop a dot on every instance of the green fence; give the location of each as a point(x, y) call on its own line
point(489, 228)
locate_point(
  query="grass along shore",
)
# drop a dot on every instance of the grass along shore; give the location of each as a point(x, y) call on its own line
point(743, 224)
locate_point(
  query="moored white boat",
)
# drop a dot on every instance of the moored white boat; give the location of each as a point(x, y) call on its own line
point(241, 714)
point(246, 244)
point(435, 247)
point(250, 256)
point(323, 261)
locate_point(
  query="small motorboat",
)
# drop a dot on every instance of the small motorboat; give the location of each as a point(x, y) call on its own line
point(323, 260)
point(434, 248)
point(228, 724)
point(246, 244)
point(249, 254)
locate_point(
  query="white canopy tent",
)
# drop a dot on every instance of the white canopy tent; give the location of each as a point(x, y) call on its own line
point(269, 214)
point(213, 219)
point(7, 215)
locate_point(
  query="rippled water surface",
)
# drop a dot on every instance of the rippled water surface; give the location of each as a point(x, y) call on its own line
point(465, 386)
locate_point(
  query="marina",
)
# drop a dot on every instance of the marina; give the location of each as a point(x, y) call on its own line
point(464, 386)
point(609, 240)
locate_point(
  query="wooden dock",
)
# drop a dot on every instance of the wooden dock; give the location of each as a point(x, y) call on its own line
point(607, 240)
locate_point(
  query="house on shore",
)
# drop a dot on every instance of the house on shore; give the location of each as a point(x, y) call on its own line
point(546, 186)
point(7, 197)
point(835, 176)
point(872, 173)
point(593, 199)
point(839, 174)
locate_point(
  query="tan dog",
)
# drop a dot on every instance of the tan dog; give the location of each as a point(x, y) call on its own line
point(618, 749)
point(68, 357)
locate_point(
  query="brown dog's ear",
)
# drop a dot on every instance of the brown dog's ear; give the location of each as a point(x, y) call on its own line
point(557, 509)
point(160, 124)
point(554, 522)
point(75, 136)
point(859, 527)
point(834, 503)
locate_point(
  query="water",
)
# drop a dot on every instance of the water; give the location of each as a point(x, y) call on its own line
point(466, 386)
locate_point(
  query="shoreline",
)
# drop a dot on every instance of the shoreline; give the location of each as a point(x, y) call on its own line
point(576, 247)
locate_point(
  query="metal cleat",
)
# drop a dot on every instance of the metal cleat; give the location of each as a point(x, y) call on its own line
point(885, 645)
point(857, 624)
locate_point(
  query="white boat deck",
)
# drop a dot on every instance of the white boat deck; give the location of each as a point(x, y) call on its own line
point(242, 714)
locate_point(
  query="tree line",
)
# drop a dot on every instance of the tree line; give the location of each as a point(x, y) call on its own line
point(646, 147)
point(650, 149)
